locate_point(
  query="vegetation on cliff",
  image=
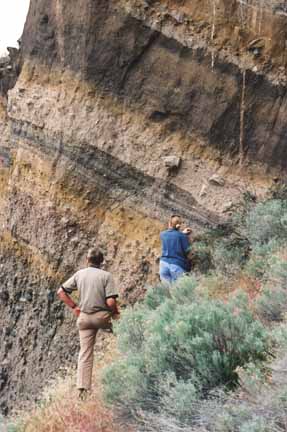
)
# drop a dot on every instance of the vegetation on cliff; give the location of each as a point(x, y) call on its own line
point(185, 351)
point(207, 354)
point(178, 341)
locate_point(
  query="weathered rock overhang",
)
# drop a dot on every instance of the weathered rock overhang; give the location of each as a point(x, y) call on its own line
point(119, 50)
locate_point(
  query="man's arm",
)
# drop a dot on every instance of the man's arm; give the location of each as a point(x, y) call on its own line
point(112, 304)
point(111, 294)
point(63, 295)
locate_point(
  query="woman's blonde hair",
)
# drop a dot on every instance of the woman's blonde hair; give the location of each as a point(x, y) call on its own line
point(175, 222)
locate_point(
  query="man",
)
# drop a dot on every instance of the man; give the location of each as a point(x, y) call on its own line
point(97, 305)
point(176, 249)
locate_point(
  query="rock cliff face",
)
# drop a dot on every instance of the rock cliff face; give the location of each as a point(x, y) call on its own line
point(110, 94)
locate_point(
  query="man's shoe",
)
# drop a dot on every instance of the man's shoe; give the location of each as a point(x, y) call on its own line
point(83, 394)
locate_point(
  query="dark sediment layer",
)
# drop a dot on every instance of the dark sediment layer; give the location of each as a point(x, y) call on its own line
point(82, 157)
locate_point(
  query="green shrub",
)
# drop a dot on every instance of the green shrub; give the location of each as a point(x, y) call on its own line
point(229, 255)
point(177, 398)
point(272, 304)
point(225, 422)
point(267, 221)
point(277, 271)
point(176, 333)
point(279, 191)
point(202, 259)
point(257, 424)
point(125, 382)
point(264, 412)
point(278, 335)
point(266, 264)
point(155, 296)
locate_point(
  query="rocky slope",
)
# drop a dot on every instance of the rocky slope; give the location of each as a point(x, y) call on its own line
point(122, 113)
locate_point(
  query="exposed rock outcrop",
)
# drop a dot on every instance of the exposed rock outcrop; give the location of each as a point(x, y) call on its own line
point(108, 90)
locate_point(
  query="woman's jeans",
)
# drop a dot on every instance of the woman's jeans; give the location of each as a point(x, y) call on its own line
point(170, 272)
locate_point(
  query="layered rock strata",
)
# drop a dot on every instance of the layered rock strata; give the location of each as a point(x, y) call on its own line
point(108, 90)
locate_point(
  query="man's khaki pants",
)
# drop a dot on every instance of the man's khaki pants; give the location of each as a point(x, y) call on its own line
point(88, 325)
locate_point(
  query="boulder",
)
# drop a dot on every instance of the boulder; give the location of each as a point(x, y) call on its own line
point(172, 162)
point(217, 180)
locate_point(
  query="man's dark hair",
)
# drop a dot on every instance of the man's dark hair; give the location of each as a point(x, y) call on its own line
point(95, 256)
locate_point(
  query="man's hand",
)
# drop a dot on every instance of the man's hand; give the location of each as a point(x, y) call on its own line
point(68, 301)
point(111, 303)
point(77, 311)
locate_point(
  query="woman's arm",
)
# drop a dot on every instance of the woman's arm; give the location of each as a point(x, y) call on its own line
point(187, 243)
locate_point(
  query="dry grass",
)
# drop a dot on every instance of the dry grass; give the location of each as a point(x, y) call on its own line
point(60, 410)
point(221, 287)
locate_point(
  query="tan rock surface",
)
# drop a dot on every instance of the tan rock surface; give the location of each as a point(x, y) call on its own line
point(107, 90)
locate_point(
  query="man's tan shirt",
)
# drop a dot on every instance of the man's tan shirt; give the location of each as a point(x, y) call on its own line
point(94, 286)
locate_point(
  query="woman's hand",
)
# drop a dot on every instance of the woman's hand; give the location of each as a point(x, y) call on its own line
point(187, 231)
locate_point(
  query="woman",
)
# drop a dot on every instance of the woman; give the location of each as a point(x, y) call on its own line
point(176, 247)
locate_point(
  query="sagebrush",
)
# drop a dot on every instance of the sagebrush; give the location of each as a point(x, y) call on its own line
point(179, 346)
